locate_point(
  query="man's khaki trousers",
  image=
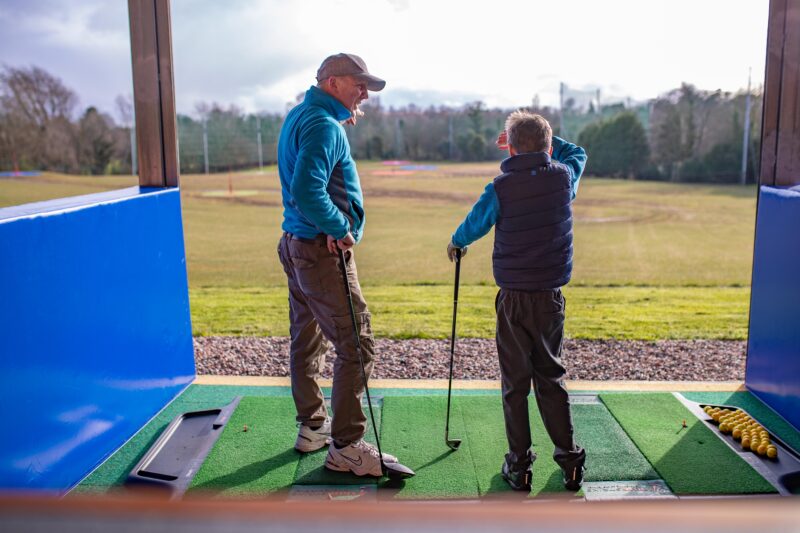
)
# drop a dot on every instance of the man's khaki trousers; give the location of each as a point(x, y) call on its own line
point(318, 312)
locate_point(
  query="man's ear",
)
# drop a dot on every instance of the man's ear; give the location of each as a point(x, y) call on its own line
point(551, 150)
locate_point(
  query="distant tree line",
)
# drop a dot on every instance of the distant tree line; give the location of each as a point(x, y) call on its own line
point(39, 131)
point(686, 134)
point(693, 135)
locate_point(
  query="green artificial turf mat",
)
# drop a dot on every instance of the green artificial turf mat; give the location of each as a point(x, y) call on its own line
point(691, 460)
point(255, 462)
point(114, 470)
point(485, 429)
point(311, 469)
point(610, 453)
point(414, 431)
point(755, 408)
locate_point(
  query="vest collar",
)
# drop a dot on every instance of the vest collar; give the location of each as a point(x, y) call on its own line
point(525, 161)
point(318, 97)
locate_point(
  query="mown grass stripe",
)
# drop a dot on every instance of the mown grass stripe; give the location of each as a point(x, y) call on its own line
point(691, 460)
point(421, 311)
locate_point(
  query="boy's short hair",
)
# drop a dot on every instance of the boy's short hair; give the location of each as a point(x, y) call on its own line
point(528, 132)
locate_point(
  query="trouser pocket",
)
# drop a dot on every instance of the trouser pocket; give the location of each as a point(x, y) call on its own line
point(345, 338)
point(307, 261)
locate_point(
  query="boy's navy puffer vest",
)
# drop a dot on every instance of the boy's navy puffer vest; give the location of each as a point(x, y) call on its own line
point(533, 234)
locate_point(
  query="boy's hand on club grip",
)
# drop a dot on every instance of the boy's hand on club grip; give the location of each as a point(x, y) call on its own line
point(451, 251)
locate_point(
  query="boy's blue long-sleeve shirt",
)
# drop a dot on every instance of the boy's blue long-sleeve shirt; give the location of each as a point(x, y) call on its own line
point(484, 213)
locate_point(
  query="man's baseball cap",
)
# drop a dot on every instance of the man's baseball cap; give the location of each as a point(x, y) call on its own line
point(349, 65)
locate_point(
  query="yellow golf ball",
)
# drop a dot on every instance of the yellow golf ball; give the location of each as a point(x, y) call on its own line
point(772, 452)
point(762, 450)
point(746, 442)
point(737, 433)
point(723, 427)
point(754, 444)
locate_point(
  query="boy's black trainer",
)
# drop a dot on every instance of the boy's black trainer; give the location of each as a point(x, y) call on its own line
point(519, 478)
point(573, 478)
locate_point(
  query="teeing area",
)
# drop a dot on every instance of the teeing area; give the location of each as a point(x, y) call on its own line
point(637, 446)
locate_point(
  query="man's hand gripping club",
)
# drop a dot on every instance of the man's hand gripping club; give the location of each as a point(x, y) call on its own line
point(345, 243)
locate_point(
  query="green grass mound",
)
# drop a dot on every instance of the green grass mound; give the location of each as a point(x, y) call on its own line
point(691, 460)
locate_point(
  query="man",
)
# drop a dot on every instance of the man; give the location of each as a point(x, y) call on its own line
point(529, 203)
point(323, 211)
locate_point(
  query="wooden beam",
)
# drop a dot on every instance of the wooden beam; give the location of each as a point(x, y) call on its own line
point(153, 93)
point(780, 128)
point(772, 91)
point(787, 168)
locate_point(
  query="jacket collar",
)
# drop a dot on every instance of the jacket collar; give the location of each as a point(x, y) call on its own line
point(525, 161)
point(318, 97)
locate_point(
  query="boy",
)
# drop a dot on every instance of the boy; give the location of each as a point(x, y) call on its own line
point(529, 205)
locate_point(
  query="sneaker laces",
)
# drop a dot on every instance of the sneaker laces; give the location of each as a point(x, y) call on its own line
point(367, 447)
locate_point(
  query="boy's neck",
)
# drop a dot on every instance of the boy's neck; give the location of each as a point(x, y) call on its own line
point(513, 151)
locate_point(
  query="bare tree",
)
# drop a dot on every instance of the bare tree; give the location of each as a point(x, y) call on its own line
point(35, 108)
point(36, 94)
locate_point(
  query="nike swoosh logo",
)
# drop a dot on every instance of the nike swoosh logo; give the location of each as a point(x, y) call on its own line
point(357, 463)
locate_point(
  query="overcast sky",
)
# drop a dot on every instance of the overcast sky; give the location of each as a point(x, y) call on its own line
point(259, 54)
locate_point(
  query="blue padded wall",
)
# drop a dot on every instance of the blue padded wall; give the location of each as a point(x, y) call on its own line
point(773, 349)
point(95, 332)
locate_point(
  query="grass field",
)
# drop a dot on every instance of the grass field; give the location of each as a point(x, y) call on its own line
point(652, 260)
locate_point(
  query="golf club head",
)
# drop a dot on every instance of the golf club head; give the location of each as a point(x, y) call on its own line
point(396, 471)
point(453, 444)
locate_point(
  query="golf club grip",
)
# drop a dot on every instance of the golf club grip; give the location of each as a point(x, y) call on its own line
point(458, 274)
point(455, 307)
point(343, 262)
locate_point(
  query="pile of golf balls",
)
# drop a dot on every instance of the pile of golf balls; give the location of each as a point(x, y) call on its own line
point(743, 428)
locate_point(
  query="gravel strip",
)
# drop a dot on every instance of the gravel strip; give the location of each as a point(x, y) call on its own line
point(701, 360)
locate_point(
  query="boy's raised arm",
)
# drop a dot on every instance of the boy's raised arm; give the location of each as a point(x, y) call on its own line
point(571, 155)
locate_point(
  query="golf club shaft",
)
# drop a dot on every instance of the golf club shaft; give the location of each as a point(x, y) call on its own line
point(453, 341)
point(343, 262)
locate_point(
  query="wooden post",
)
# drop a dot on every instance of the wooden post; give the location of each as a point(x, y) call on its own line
point(780, 130)
point(154, 93)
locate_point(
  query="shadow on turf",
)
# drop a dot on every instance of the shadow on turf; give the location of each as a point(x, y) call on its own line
point(246, 474)
point(553, 487)
point(434, 460)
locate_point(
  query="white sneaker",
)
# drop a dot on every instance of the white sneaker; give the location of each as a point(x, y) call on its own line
point(360, 458)
point(309, 440)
